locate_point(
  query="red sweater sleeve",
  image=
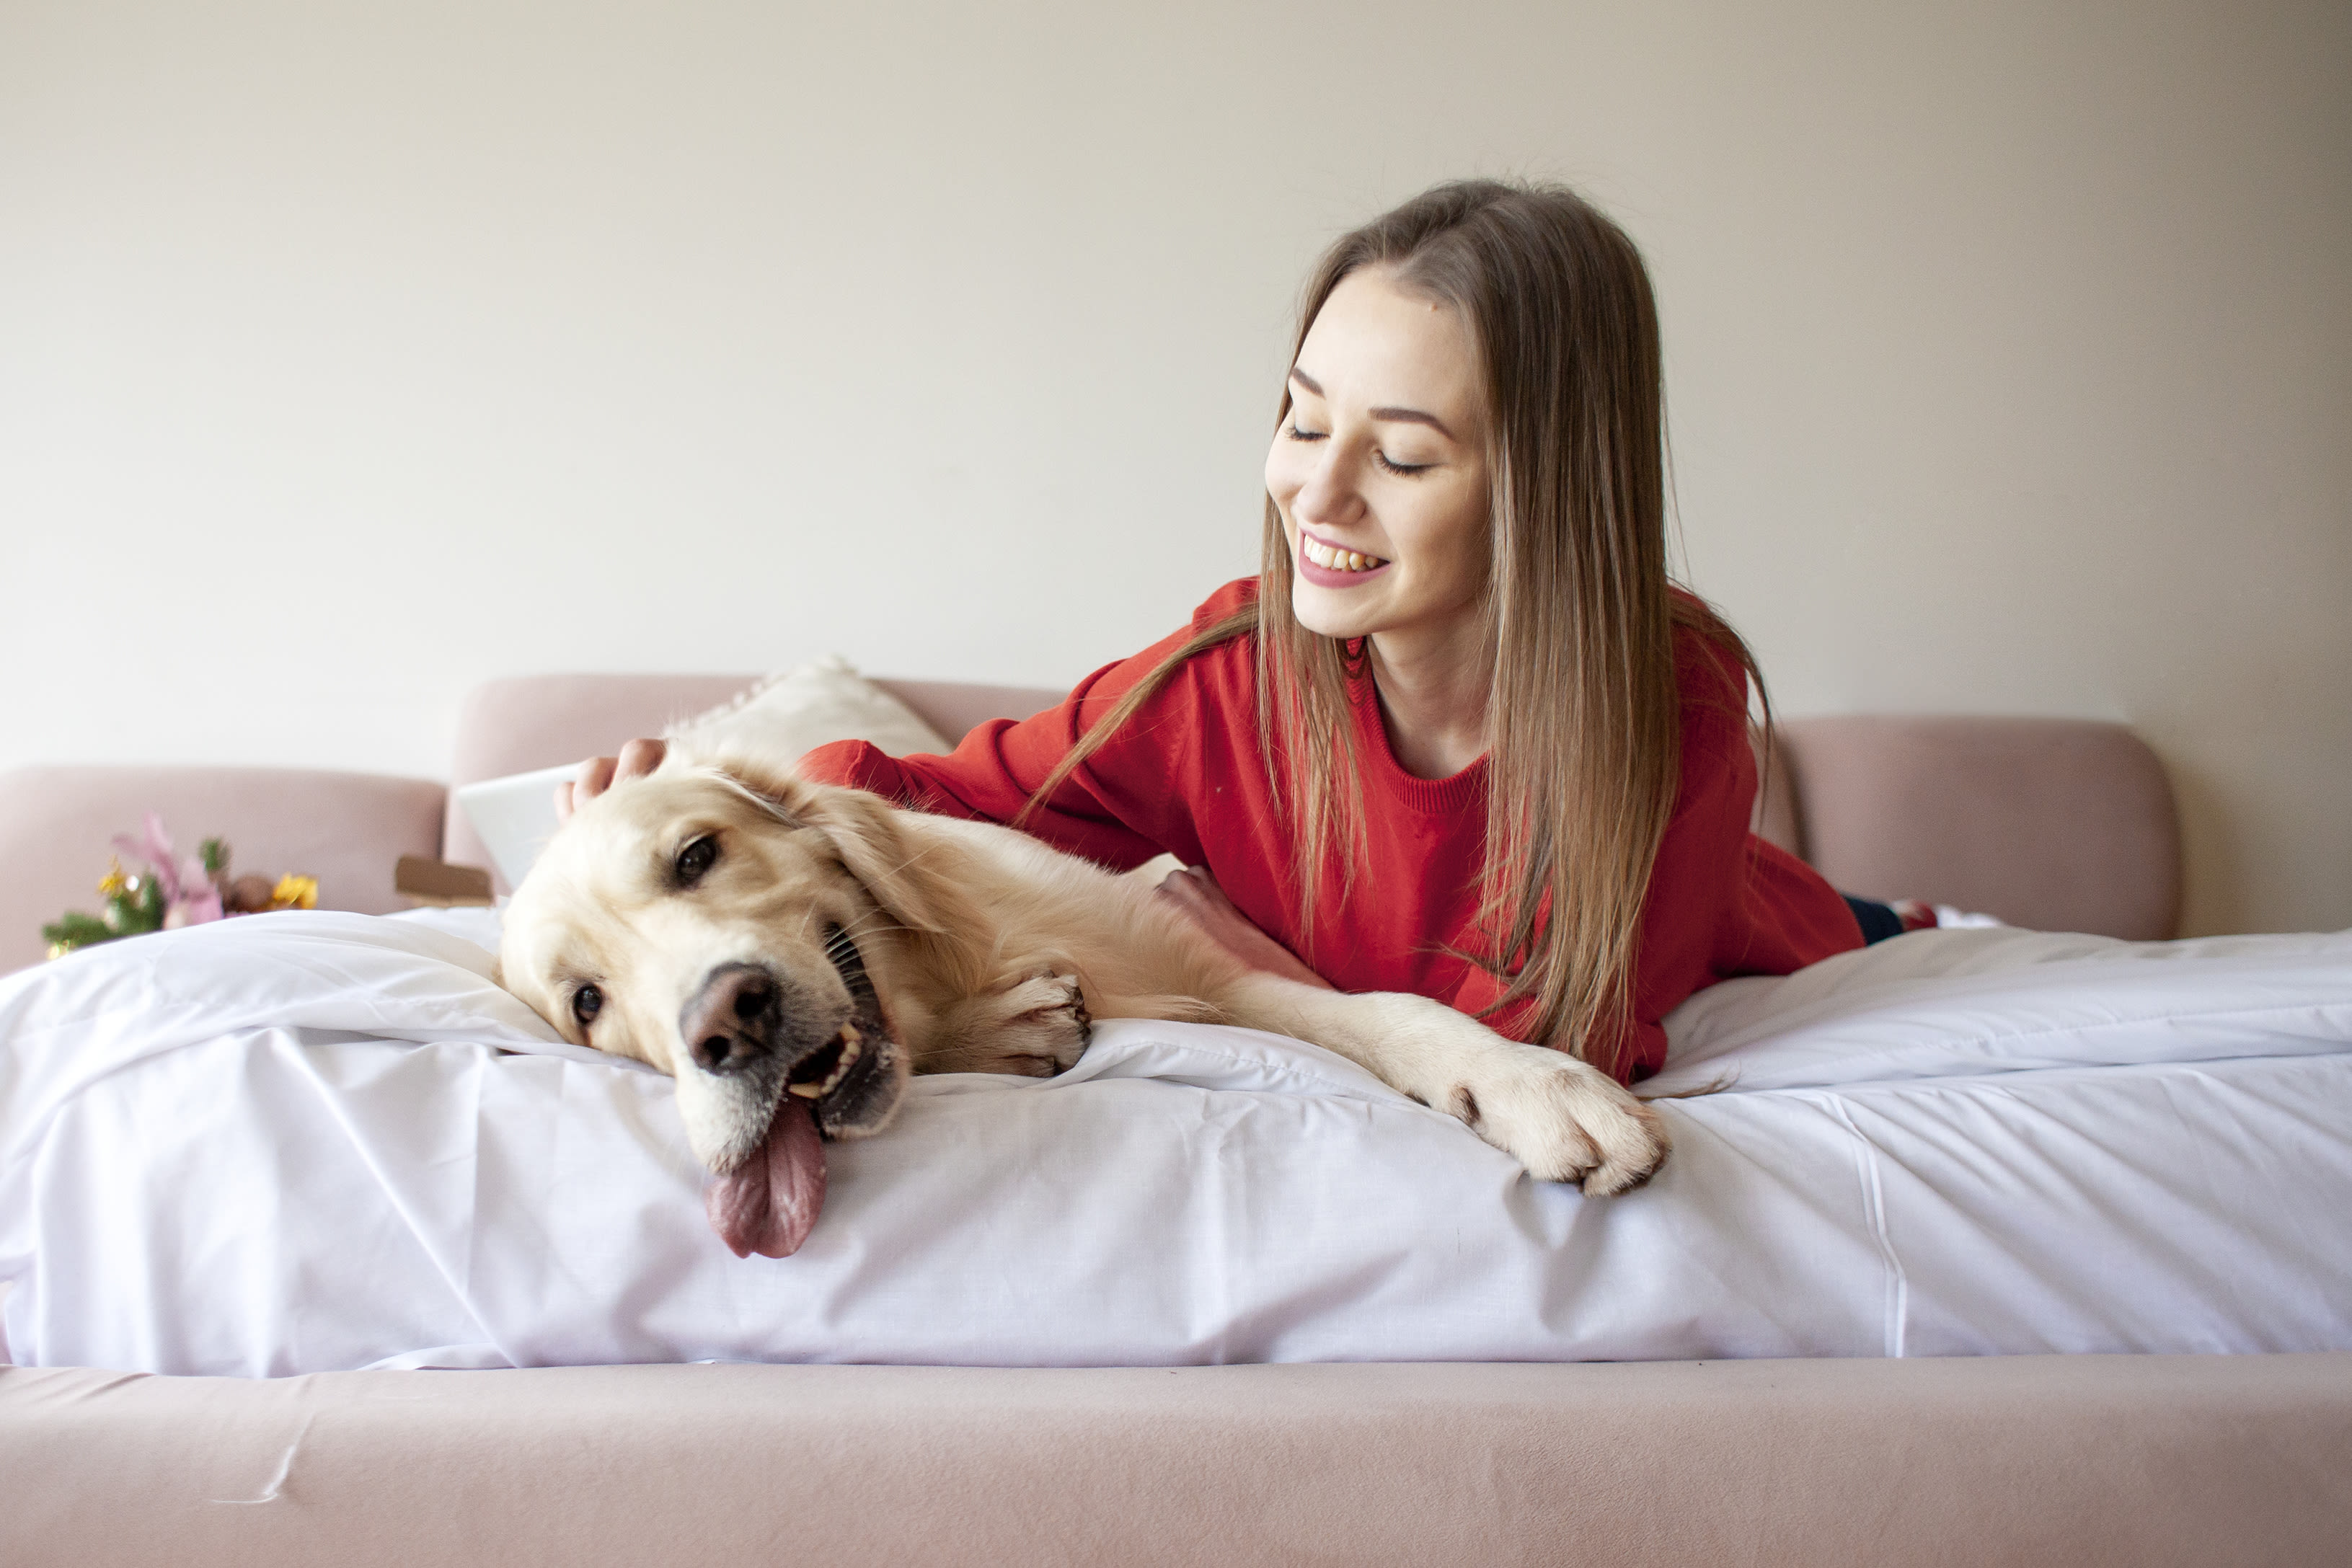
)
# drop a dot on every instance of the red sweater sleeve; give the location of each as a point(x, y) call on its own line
point(1123, 806)
point(1721, 901)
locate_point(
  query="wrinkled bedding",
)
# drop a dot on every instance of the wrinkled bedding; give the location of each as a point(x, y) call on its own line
point(311, 1141)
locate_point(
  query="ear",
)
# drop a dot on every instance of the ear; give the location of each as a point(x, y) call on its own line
point(909, 877)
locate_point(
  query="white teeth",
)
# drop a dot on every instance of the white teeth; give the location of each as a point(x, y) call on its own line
point(1331, 559)
point(853, 1046)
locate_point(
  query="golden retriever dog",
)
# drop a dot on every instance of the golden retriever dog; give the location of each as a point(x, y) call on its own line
point(791, 952)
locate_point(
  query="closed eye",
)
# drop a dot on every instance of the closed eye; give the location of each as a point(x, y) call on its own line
point(1388, 464)
point(696, 860)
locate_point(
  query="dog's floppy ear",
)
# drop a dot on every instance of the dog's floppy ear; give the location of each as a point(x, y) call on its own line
point(902, 876)
point(865, 833)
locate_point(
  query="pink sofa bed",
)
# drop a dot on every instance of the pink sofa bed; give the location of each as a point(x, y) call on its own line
point(2089, 1459)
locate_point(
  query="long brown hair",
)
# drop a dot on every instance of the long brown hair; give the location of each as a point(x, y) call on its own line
point(1583, 714)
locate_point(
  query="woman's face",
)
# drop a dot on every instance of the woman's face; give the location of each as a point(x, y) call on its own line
point(1380, 472)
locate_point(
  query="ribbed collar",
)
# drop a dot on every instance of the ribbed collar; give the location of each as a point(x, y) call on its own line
point(1429, 797)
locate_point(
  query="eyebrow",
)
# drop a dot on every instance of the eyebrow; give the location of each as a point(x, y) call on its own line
point(1391, 415)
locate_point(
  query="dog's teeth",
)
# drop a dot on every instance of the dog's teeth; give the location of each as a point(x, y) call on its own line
point(841, 1069)
point(805, 1091)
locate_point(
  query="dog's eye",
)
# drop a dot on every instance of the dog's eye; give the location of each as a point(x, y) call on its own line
point(696, 858)
point(586, 1003)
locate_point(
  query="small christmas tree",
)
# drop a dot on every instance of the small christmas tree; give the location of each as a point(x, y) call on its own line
point(134, 905)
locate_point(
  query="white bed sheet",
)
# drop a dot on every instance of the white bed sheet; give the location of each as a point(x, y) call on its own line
point(305, 1142)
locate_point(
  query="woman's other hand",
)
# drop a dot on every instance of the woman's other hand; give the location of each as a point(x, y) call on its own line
point(599, 774)
point(1195, 894)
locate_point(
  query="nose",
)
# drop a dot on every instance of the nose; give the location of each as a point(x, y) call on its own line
point(1326, 498)
point(729, 1022)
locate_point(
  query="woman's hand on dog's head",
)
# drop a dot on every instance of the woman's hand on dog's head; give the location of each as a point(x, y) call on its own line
point(598, 774)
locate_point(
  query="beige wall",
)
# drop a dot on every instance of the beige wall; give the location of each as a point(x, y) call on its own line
point(351, 354)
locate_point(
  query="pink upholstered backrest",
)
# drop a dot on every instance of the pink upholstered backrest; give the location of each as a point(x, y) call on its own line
point(2055, 824)
point(345, 829)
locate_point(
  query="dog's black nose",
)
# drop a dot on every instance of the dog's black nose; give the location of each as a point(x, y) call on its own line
point(728, 1023)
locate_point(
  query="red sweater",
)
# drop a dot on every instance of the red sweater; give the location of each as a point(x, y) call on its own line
point(1186, 776)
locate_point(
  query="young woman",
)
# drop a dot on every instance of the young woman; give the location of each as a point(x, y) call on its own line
point(1459, 735)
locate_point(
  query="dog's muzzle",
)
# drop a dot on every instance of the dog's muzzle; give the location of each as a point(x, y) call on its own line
point(808, 1073)
point(743, 1024)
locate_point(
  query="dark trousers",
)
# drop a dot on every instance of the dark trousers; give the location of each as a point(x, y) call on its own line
point(1878, 921)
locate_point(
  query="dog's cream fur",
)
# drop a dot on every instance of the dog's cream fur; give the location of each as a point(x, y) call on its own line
point(988, 952)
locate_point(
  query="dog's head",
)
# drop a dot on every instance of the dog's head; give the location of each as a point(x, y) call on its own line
point(710, 926)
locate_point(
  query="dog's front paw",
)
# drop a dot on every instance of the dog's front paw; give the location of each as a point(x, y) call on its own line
point(1037, 1026)
point(1046, 1019)
point(1564, 1119)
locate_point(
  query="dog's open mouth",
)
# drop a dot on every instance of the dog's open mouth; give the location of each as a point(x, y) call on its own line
point(770, 1203)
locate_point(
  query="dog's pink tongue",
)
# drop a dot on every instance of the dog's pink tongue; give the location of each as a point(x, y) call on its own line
point(768, 1204)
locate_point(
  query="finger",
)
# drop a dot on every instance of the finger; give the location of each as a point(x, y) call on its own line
point(1206, 886)
point(596, 778)
point(638, 758)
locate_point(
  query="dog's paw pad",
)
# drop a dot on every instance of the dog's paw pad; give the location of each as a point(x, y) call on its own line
point(1566, 1122)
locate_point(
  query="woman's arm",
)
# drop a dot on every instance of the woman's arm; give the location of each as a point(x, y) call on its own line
point(1136, 796)
point(989, 777)
point(991, 773)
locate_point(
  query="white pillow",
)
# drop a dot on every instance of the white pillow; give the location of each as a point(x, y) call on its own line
point(777, 721)
point(514, 816)
point(785, 716)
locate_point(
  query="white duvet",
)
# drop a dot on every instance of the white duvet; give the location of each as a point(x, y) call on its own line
point(297, 1142)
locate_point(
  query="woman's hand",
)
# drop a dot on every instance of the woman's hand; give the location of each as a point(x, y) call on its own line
point(1196, 895)
point(599, 774)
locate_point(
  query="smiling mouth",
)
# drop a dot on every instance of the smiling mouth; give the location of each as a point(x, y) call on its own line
point(1332, 558)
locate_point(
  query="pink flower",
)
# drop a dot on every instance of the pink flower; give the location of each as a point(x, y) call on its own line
point(189, 897)
point(205, 905)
